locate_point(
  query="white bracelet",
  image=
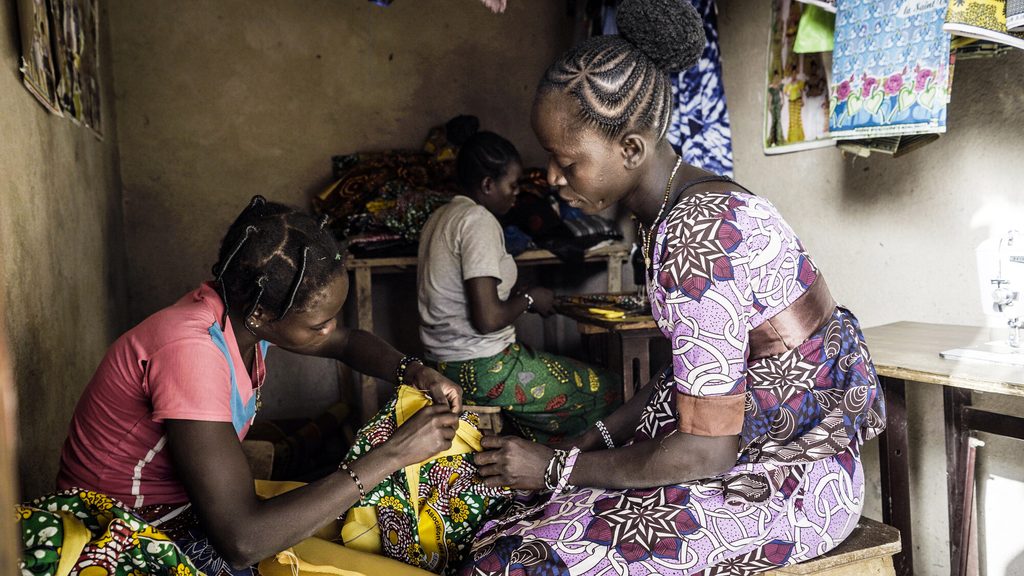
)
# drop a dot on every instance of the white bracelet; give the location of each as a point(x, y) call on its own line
point(529, 301)
point(605, 434)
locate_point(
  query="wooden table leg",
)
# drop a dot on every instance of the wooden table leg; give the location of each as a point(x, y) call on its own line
point(957, 438)
point(636, 362)
point(895, 471)
point(364, 321)
point(615, 264)
point(617, 360)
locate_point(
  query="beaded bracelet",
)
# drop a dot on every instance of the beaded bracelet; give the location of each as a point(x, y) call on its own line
point(567, 466)
point(359, 484)
point(403, 365)
point(605, 434)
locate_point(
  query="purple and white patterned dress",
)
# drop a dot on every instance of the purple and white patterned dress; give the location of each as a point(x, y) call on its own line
point(725, 263)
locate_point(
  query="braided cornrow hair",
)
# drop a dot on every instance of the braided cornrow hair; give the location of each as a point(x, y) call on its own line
point(620, 81)
point(277, 257)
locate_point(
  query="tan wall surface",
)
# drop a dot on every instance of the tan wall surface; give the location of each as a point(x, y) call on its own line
point(896, 239)
point(218, 101)
point(61, 256)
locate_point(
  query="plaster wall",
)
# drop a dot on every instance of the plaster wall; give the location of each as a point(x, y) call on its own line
point(61, 255)
point(896, 239)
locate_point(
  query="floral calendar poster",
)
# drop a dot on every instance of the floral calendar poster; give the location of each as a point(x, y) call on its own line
point(890, 68)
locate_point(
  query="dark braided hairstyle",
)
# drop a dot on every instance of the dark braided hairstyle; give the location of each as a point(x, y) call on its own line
point(482, 155)
point(275, 256)
point(620, 81)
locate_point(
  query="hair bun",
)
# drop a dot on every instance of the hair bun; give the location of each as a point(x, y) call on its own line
point(460, 128)
point(669, 32)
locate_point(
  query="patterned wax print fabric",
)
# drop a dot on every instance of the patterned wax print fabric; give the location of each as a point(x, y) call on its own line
point(546, 397)
point(699, 129)
point(84, 532)
point(426, 514)
point(181, 524)
point(725, 262)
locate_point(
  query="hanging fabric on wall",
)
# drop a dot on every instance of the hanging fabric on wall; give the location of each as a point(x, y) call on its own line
point(699, 128)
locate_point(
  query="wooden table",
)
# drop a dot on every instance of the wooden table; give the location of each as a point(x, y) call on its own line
point(363, 269)
point(629, 343)
point(909, 352)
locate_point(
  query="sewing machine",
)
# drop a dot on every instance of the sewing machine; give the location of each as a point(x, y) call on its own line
point(1001, 275)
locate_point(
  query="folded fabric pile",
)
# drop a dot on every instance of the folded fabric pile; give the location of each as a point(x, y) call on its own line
point(535, 222)
point(379, 201)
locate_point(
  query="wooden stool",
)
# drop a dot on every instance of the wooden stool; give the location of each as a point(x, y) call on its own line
point(868, 551)
point(490, 417)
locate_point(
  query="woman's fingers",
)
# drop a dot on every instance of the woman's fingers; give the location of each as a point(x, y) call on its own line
point(492, 442)
point(490, 470)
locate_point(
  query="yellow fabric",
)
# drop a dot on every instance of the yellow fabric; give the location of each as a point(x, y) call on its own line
point(316, 557)
point(76, 536)
point(360, 530)
point(361, 554)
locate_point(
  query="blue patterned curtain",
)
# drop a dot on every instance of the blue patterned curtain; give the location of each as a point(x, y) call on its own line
point(699, 128)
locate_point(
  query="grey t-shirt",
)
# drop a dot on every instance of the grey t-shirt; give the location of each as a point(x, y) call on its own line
point(461, 240)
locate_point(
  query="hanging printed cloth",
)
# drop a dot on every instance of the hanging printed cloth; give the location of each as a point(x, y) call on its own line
point(426, 514)
point(699, 129)
point(84, 532)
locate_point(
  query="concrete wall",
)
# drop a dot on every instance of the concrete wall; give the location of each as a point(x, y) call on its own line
point(61, 255)
point(896, 239)
point(220, 101)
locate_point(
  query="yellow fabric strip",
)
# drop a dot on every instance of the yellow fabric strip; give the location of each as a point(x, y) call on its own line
point(316, 557)
point(76, 536)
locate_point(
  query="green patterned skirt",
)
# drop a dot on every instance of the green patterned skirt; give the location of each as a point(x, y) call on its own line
point(546, 397)
point(84, 532)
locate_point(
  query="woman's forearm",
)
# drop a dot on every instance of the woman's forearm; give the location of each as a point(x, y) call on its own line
point(499, 315)
point(368, 354)
point(670, 459)
point(622, 423)
point(285, 520)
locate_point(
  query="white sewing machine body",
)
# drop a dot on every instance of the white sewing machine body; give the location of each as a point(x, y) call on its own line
point(1001, 278)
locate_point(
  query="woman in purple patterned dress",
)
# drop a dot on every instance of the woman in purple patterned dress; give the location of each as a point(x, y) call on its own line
point(744, 454)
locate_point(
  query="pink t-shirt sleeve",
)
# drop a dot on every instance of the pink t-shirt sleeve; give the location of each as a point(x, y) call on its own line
point(190, 380)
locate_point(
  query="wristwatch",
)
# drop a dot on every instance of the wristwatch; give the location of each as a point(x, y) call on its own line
point(529, 301)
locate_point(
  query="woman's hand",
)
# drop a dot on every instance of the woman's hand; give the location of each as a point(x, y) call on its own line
point(443, 391)
point(495, 5)
point(513, 462)
point(543, 301)
point(429, 432)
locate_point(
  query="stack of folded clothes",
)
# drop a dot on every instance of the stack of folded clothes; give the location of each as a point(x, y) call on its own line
point(379, 201)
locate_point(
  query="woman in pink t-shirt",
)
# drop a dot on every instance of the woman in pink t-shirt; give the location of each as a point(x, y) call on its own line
point(160, 425)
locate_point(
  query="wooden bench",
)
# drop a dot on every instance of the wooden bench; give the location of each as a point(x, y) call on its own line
point(868, 551)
